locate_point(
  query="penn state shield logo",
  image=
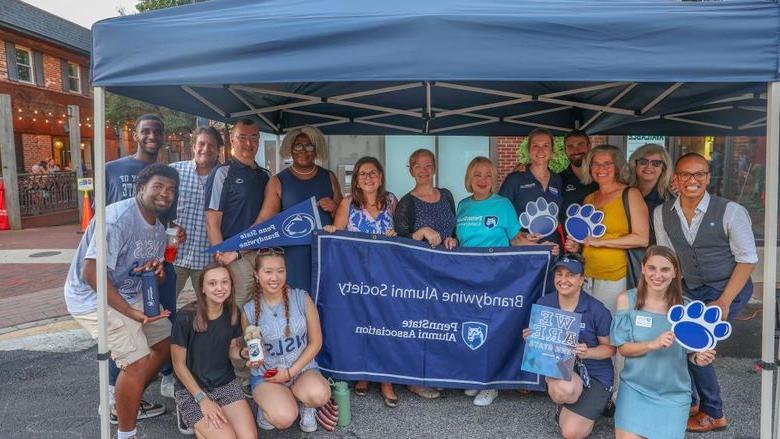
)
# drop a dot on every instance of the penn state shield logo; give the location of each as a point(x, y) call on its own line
point(491, 221)
point(298, 225)
point(474, 334)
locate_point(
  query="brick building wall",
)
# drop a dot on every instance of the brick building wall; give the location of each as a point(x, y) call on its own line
point(35, 148)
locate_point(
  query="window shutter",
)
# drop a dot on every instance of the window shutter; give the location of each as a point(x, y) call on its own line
point(64, 69)
point(38, 69)
point(10, 58)
point(84, 73)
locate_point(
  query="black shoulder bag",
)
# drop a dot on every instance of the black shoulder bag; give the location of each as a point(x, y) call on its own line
point(634, 256)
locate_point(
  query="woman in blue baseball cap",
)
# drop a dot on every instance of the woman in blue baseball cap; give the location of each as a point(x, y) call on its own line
point(581, 400)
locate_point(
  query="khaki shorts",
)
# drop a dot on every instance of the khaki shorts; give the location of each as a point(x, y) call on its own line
point(128, 339)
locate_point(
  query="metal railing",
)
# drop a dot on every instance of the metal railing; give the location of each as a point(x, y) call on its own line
point(47, 193)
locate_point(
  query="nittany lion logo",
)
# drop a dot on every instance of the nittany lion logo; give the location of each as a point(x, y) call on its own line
point(298, 225)
point(491, 221)
point(474, 334)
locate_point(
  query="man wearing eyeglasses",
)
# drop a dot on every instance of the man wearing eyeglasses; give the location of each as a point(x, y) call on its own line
point(234, 194)
point(713, 238)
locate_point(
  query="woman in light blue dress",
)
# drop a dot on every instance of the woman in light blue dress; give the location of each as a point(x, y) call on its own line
point(655, 388)
point(368, 209)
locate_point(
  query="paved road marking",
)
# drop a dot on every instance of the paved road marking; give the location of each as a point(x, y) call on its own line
point(62, 256)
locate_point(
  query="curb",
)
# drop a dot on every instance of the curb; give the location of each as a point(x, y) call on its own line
point(34, 324)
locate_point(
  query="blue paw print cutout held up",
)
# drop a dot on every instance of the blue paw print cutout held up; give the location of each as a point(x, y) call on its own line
point(584, 221)
point(697, 327)
point(540, 217)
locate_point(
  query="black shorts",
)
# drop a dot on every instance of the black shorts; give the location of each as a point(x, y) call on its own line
point(592, 401)
point(223, 395)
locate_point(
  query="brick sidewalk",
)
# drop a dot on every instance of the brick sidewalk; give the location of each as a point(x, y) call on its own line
point(32, 307)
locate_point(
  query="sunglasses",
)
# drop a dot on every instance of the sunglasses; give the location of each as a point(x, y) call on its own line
point(270, 251)
point(299, 147)
point(655, 163)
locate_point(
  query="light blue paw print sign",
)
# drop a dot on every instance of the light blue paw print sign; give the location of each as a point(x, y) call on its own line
point(584, 221)
point(540, 217)
point(697, 327)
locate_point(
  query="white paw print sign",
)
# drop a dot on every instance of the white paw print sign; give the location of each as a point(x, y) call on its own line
point(584, 221)
point(540, 217)
point(697, 327)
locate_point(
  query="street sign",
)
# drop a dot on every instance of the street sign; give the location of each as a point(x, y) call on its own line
point(86, 184)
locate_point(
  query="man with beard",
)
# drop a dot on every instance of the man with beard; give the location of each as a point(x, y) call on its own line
point(135, 241)
point(713, 238)
point(577, 144)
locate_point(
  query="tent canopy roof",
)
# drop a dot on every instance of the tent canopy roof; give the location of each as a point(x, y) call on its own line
point(451, 66)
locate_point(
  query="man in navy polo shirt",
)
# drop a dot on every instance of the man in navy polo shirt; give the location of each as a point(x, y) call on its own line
point(582, 399)
point(234, 195)
point(577, 144)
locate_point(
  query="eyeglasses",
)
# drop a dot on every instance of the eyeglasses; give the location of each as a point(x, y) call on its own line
point(655, 163)
point(300, 147)
point(242, 138)
point(698, 176)
point(270, 251)
point(368, 175)
point(602, 165)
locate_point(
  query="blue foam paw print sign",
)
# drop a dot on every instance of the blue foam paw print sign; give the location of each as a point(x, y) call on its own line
point(583, 221)
point(540, 217)
point(697, 327)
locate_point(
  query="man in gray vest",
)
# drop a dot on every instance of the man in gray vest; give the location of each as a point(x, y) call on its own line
point(713, 238)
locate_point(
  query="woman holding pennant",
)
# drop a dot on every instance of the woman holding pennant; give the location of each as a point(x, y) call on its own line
point(655, 388)
point(300, 181)
point(582, 399)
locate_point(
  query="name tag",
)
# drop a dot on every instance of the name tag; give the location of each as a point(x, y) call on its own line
point(644, 321)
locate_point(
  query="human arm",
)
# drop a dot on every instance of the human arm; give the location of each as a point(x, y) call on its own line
point(212, 412)
point(272, 200)
point(702, 359)
point(403, 219)
point(738, 228)
point(601, 352)
point(640, 226)
point(637, 349)
point(737, 281)
point(340, 220)
point(115, 300)
point(329, 204)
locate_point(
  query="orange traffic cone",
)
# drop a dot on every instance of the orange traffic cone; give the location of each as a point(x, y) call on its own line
point(4, 225)
point(86, 212)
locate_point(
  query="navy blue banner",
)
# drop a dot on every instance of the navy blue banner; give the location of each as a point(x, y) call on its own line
point(293, 226)
point(397, 310)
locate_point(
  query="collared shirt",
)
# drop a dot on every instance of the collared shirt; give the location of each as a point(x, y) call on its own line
point(523, 187)
point(191, 215)
point(736, 225)
point(236, 190)
point(595, 322)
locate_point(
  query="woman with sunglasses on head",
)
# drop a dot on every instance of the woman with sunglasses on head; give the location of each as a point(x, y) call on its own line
point(287, 382)
point(650, 171)
point(368, 209)
point(655, 387)
point(298, 182)
point(205, 337)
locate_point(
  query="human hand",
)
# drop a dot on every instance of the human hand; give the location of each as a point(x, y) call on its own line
point(181, 234)
point(327, 204)
point(533, 237)
point(571, 245)
point(724, 308)
point(555, 249)
point(226, 258)
point(593, 242)
point(432, 236)
point(330, 228)
point(145, 320)
point(527, 332)
point(212, 412)
point(663, 341)
point(390, 233)
point(704, 358)
point(450, 243)
point(581, 351)
point(281, 376)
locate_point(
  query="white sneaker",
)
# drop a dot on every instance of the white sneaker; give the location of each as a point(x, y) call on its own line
point(166, 386)
point(261, 422)
point(183, 429)
point(111, 396)
point(485, 397)
point(308, 421)
point(471, 392)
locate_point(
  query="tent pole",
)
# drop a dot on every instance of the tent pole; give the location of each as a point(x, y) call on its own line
point(770, 258)
point(99, 234)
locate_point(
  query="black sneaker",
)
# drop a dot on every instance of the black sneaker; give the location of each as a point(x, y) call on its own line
point(145, 410)
point(183, 429)
point(609, 409)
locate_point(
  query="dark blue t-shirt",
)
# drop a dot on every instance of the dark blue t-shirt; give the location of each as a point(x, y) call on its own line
point(236, 190)
point(122, 179)
point(523, 187)
point(595, 322)
point(573, 190)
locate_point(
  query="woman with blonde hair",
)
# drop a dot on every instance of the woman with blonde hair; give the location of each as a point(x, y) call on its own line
point(650, 171)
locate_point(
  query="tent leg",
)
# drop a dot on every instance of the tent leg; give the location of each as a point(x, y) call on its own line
point(770, 259)
point(100, 231)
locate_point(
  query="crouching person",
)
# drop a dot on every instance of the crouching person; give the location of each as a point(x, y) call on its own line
point(205, 337)
point(287, 382)
point(582, 399)
point(135, 242)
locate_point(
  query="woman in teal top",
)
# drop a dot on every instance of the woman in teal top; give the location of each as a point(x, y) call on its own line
point(655, 388)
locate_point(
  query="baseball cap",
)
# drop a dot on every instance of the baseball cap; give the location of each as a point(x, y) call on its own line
point(570, 264)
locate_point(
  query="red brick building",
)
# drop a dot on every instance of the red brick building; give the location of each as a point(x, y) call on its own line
point(44, 67)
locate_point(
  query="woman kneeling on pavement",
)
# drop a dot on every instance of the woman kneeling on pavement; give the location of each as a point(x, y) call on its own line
point(205, 337)
point(655, 388)
point(582, 399)
point(287, 382)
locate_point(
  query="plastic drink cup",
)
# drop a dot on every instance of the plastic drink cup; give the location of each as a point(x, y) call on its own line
point(151, 294)
point(171, 247)
point(255, 347)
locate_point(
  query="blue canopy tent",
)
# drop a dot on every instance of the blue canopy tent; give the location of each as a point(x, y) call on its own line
point(459, 67)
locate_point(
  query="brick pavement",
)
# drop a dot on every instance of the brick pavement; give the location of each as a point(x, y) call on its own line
point(31, 307)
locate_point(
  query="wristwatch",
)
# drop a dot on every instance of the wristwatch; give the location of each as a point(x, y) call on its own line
point(200, 396)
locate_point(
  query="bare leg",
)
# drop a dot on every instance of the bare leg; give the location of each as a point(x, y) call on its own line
point(622, 434)
point(574, 426)
point(564, 392)
point(133, 380)
point(277, 403)
point(239, 415)
point(311, 389)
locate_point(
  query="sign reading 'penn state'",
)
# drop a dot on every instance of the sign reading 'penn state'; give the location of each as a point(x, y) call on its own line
point(398, 310)
point(293, 226)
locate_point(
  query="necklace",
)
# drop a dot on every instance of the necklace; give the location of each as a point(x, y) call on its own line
point(274, 309)
point(313, 168)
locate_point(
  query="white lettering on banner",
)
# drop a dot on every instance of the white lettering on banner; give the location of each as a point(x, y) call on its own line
point(447, 335)
point(481, 300)
point(260, 239)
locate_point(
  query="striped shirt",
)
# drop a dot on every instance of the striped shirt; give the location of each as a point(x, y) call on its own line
point(191, 215)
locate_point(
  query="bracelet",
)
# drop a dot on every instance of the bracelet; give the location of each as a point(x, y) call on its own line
point(200, 396)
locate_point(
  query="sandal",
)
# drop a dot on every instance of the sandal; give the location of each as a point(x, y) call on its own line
point(361, 388)
point(391, 402)
point(425, 392)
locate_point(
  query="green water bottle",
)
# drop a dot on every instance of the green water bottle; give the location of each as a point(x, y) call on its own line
point(341, 396)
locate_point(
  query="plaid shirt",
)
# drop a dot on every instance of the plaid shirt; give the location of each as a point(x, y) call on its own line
point(191, 214)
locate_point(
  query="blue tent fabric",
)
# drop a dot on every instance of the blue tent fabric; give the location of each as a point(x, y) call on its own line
point(534, 47)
